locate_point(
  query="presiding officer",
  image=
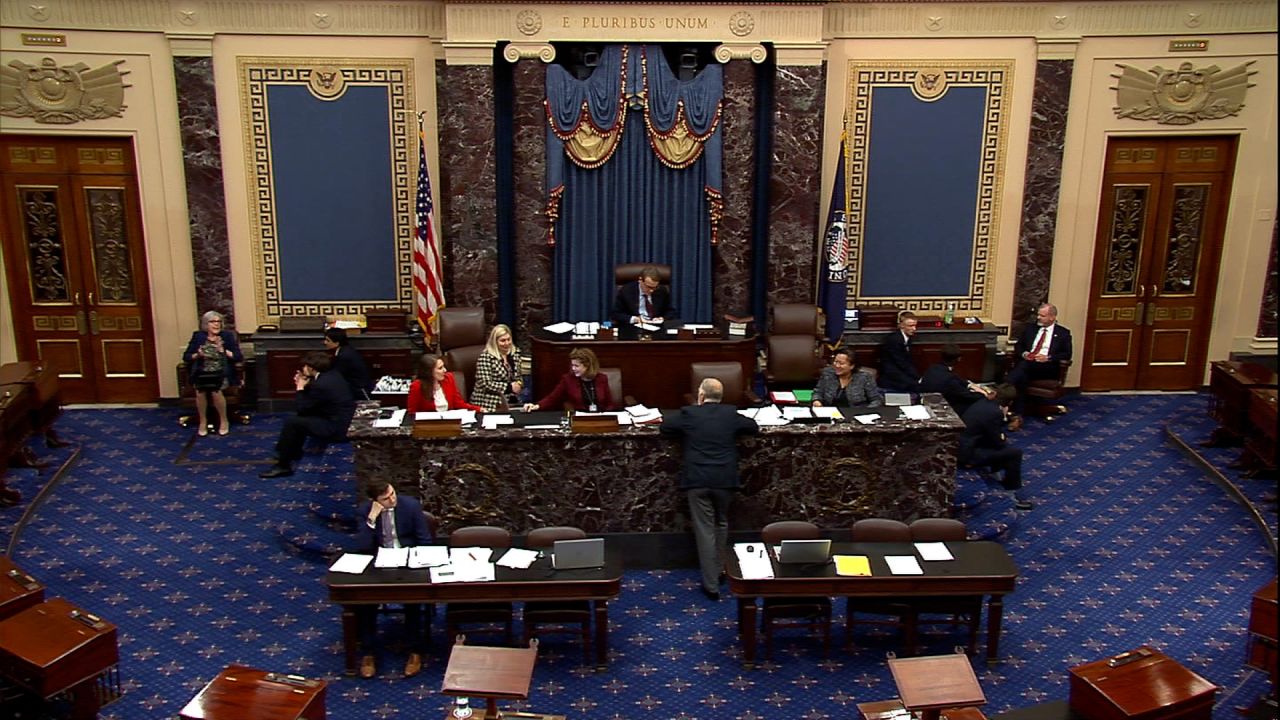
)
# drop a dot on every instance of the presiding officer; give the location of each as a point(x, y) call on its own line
point(645, 301)
point(709, 474)
point(390, 521)
point(325, 409)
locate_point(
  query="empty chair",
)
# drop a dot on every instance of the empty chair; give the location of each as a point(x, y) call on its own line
point(564, 616)
point(937, 530)
point(614, 376)
point(811, 613)
point(879, 530)
point(462, 338)
point(737, 390)
point(961, 609)
point(482, 613)
point(794, 353)
point(795, 319)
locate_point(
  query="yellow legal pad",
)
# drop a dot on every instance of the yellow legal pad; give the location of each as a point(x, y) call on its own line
point(853, 565)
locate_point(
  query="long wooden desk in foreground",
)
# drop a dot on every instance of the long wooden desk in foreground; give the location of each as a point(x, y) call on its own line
point(979, 568)
point(539, 582)
point(625, 481)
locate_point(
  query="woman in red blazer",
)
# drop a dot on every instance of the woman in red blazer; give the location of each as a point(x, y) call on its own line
point(435, 389)
point(584, 387)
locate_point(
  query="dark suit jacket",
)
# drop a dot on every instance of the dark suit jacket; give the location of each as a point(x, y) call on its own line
point(710, 432)
point(351, 365)
point(229, 342)
point(328, 397)
point(983, 429)
point(569, 390)
point(411, 525)
point(941, 379)
point(627, 304)
point(1059, 350)
point(897, 371)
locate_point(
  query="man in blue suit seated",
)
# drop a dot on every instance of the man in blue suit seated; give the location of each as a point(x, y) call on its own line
point(897, 370)
point(387, 520)
point(645, 301)
point(325, 409)
point(1041, 351)
point(983, 442)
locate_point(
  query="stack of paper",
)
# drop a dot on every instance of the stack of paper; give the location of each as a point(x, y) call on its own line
point(797, 412)
point(770, 415)
point(753, 560)
point(782, 396)
point(396, 419)
point(392, 557)
point(351, 563)
point(428, 556)
point(558, 328)
point(641, 414)
point(491, 422)
point(828, 412)
point(915, 412)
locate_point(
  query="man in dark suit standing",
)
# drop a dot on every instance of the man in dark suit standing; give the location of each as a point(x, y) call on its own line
point(897, 371)
point(1041, 351)
point(942, 378)
point(645, 301)
point(325, 409)
point(390, 521)
point(983, 442)
point(349, 363)
point(709, 474)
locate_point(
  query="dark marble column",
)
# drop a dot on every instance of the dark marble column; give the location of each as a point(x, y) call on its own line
point(1040, 190)
point(468, 220)
point(800, 94)
point(206, 204)
point(533, 255)
point(1267, 313)
point(731, 258)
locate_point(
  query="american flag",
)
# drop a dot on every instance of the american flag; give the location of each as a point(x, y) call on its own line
point(428, 287)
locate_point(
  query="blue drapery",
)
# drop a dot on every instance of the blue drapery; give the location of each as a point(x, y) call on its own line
point(626, 195)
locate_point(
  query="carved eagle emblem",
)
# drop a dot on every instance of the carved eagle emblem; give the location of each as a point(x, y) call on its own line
point(61, 94)
point(1182, 96)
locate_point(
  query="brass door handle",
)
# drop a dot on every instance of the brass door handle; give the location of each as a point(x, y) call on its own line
point(1142, 291)
point(93, 321)
point(77, 297)
point(1151, 314)
point(91, 301)
point(1155, 290)
point(1137, 316)
point(81, 326)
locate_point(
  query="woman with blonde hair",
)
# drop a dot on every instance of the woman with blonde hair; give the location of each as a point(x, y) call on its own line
point(498, 379)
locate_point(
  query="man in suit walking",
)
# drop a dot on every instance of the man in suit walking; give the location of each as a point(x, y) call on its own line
point(709, 474)
point(897, 371)
point(390, 521)
point(645, 301)
point(983, 442)
point(1041, 351)
point(325, 409)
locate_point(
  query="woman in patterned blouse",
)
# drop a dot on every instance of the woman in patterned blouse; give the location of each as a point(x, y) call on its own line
point(498, 379)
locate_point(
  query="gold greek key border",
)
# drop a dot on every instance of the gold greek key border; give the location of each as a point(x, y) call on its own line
point(997, 77)
point(255, 74)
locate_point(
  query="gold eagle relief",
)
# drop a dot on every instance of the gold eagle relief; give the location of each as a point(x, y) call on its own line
point(64, 94)
point(1182, 96)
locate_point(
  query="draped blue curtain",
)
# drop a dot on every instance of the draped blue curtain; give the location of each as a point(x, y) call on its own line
point(630, 206)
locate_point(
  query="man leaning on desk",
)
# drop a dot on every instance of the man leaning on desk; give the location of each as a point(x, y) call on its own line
point(645, 301)
point(390, 521)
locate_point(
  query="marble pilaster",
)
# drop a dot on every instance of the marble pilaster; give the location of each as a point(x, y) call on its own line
point(1041, 189)
point(794, 183)
point(1267, 313)
point(534, 258)
point(731, 258)
point(206, 203)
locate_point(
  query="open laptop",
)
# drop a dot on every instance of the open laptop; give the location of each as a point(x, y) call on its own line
point(895, 399)
point(804, 551)
point(571, 554)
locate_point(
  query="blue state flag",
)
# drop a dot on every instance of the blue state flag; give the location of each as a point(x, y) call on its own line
point(833, 282)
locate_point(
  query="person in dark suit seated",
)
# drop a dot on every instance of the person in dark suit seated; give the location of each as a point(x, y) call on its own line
point(349, 363)
point(435, 388)
point(942, 378)
point(390, 521)
point(583, 388)
point(325, 409)
point(644, 301)
point(709, 472)
point(1041, 351)
point(842, 384)
point(897, 371)
point(983, 443)
point(211, 356)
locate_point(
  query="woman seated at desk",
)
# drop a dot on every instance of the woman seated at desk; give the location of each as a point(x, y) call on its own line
point(435, 389)
point(584, 387)
point(842, 384)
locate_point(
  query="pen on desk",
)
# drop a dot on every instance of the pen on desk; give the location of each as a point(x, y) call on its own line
point(471, 555)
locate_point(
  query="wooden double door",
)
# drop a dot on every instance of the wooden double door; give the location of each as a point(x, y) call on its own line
point(1156, 259)
point(76, 264)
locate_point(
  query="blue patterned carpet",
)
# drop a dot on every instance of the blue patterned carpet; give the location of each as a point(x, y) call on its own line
point(1129, 544)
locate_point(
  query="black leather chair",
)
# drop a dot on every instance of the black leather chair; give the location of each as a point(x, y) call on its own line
point(877, 530)
point(462, 339)
point(961, 610)
point(737, 389)
point(561, 616)
point(490, 614)
point(810, 613)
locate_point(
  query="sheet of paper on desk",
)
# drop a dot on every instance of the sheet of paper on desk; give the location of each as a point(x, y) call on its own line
point(351, 563)
point(428, 556)
point(641, 414)
point(828, 412)
point(519, 558)
point(392, 557)
point(470, 554)
point(852, 565)
point(648, 327)
point(466, 416)
point(428, 415)
point(396, 420)
point(586, 328)
point(560, 327)
point(915, 412)
point(934, 551)
point(866, 419)
point(903, 565)
point(754, 563)
point(796, 412)
point(491, 422)
point(474, 572)
point(770, 415)
point(444, 574)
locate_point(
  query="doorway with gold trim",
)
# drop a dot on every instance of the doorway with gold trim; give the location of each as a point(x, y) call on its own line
point(1156, 259)
point(76, 264)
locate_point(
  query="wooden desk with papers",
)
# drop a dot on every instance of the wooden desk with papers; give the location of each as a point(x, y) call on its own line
point(539, 582)
point(979, 568)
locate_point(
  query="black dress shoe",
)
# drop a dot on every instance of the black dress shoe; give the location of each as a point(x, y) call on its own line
point(1023, 504)
point(713, 595)
point(276, 472)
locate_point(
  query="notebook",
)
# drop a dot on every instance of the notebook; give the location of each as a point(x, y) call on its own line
point(570, 554)
point(804, 551)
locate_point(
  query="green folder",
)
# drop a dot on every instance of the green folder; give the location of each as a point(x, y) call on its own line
point(803, 396)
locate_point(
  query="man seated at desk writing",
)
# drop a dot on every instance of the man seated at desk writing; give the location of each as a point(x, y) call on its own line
point(645, 301)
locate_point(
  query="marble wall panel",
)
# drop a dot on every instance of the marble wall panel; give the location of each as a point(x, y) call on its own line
point(533, 256)
point(467, 213)
point(731, 258)
point(1040, 190)
point(206, 204)
point(1267, 313)
point(800, 96)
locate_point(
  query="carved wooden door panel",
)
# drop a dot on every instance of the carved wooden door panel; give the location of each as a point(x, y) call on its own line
point(76, 265)
point(1159, 244)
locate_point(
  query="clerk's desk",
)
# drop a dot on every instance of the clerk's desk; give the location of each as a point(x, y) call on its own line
point(979, 568)
point(18, 590)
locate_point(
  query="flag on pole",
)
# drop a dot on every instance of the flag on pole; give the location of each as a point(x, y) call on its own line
point(428, 278)
point(833, 283)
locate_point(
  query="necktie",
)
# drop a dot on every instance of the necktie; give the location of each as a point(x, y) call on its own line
point(648, 307)
point(1039, 341)
point(388, 529)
